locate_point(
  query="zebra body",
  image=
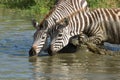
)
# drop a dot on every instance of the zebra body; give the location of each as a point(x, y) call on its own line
point(100, 25)
point(63, 9)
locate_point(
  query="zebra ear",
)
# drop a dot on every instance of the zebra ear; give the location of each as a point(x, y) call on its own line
point(45, 25)
point(35, 24)
point(63, 24)
point(66, 21)
point(54, 20)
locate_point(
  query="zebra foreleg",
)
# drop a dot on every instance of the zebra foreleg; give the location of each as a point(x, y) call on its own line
point(94, 44)
point(92, 39)
point(82, 38)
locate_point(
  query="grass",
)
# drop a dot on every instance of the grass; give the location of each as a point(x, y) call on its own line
point(39, 8)
point(31, 8)
point(104, 3)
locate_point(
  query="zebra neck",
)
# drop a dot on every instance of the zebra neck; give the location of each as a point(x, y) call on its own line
point(91, 20)
point(73, 32)
point(51, 22)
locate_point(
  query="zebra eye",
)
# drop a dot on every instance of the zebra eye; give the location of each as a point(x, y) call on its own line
point(43, 37)
point(59, 35)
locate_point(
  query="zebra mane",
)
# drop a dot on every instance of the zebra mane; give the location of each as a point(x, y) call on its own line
point(47, 15)
point(58, 2)
point(69, 16)
point(51, 11)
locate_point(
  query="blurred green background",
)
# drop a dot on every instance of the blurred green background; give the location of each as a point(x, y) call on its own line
point(38, 8)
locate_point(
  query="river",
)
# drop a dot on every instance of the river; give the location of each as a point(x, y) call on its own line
point(15, 41)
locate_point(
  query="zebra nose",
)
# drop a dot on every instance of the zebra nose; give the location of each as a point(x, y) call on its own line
point(34, 47)
point(53, 49)
point(32, 52)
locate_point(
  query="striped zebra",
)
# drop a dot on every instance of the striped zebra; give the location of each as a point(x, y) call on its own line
point(44, 29)
point(100, 25)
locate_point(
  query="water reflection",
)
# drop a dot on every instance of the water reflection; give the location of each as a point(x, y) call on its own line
point(15, 40)
point(77, 66)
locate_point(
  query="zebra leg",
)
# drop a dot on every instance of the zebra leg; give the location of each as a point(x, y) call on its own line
point(93, 39)
point(95, 44)
point(97, 36)
point(74, 40)
point(81, 38)
point(94, 48)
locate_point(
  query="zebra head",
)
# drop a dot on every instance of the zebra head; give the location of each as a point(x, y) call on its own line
point(40, 37)
point(62, 36)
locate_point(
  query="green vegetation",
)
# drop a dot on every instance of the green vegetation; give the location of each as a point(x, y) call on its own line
point(31, 8)
point(18, 3)
point(104, 3)
point(38, 8)
point(41, 7)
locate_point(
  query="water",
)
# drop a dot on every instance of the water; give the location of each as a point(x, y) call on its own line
point(15, 41)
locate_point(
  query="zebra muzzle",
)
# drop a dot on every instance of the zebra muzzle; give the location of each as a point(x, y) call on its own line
point(50, 52)
point(32, 52)
point(54, 49)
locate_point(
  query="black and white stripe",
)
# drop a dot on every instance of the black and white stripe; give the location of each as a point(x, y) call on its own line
point(63, 9)
point(100, 25)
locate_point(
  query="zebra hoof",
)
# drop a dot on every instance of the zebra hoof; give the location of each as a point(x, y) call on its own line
point(32, 52)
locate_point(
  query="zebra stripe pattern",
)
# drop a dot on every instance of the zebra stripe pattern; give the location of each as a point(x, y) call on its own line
point(60, 11)
point(100, 25)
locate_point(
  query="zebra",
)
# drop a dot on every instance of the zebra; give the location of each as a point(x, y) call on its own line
point(44, 29)
point(100, 25)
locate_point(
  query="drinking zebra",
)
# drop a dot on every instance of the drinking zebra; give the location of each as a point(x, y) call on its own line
point(60, 11)
point(100, 25)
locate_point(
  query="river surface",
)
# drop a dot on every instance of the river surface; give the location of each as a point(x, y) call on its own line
point(15, 41)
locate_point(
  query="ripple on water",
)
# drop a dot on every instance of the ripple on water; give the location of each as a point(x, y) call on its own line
point(78, 66)
point(15, 41)
point(113, 47)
